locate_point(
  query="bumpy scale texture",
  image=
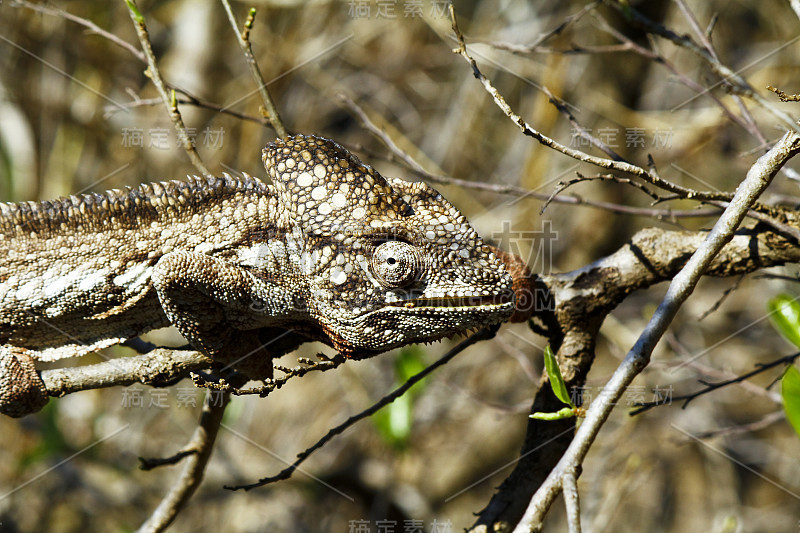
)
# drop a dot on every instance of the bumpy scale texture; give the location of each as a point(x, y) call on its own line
point(331, 251)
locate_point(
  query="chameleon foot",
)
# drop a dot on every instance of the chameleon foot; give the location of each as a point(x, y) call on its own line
point(22, 391)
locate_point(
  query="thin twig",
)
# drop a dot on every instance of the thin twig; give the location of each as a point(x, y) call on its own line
point(574, 49)
point(756, 425)
point(200, 447)
point(777, 225)
point(286, 473)
point(572, 503)
point(705, 39)
point(783, 96)
point(47, 10)
point(661, 60)
point(324, 364)
point(168, 98)
point(641, 407)
point(578, 127)
point(727, 292)
point(243, 39)
point(564, 185)
point(188, 99)
point(414, 165)
point(571, 19)
point(711, 372)
point(651, 176)
point(737, 82)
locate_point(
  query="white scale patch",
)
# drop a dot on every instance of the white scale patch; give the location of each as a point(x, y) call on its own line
point(338, 200)
point(57, 285)
point(318, 193)
point(304, 179)
point(94, 279)
point(26, 292)
point(253, 256)
point(338, 276)
point(135, 278)
point(309, 262)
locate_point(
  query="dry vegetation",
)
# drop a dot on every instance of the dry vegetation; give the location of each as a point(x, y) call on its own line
point(72, 104)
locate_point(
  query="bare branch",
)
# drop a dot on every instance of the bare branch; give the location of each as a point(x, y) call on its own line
point(783, 96)
point(710, 387)
point(243, 39)
point(47, 10)
point(738, 83)
point(651, 176)
point(188, 99)
point(405, 157)
point(286, 473)
point(756, 425)
point(158, 368)
point(758, 178)
point(198, 452)
point(705, 39)
point(170, 101)
point(572, 502)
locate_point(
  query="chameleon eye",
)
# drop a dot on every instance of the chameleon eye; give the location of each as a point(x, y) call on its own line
point(396, 264)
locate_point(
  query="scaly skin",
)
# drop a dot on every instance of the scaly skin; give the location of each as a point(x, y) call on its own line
point(331, 251)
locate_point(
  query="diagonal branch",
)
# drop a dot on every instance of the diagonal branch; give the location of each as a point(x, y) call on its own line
point(286, 473)
point(758, 178)
point(168, 98)
point(198, 452)
point(243, 39)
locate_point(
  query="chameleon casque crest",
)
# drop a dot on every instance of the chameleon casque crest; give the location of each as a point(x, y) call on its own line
point(331, 251)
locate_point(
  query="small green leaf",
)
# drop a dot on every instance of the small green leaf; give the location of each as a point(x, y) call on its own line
point(135, 10)
point(556, 381)
point(785, 314)
point(395, 421)
point(567, 412)
point(790, 392)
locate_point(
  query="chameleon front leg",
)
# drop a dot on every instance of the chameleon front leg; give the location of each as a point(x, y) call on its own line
point(213, 304)
point(22, 391)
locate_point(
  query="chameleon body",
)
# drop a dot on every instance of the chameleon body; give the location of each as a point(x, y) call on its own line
point(330, 251)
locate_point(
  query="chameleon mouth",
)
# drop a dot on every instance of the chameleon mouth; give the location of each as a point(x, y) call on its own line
point(468, 302)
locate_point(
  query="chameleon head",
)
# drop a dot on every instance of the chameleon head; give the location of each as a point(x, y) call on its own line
point(385, 262)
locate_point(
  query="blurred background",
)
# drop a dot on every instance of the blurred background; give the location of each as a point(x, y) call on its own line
point(77, 114)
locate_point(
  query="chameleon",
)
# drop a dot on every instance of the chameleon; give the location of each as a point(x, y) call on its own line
point(246, 271)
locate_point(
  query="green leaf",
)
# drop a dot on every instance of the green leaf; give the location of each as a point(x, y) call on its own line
point(567, 412)
point(410, 363)
point(135, 11)
point(556, 381)
point(395, 421)
point(790, 392)
point(785, 314)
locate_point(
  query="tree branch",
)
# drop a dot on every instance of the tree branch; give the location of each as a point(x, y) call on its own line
point(169, 100)
point(758, 178)
point(243, 39)
point(287, 472)
point(198, 453)
point(159, 368)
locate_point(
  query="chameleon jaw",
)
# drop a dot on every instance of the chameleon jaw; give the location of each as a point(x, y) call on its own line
point(393, 325)
point(487, 301)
